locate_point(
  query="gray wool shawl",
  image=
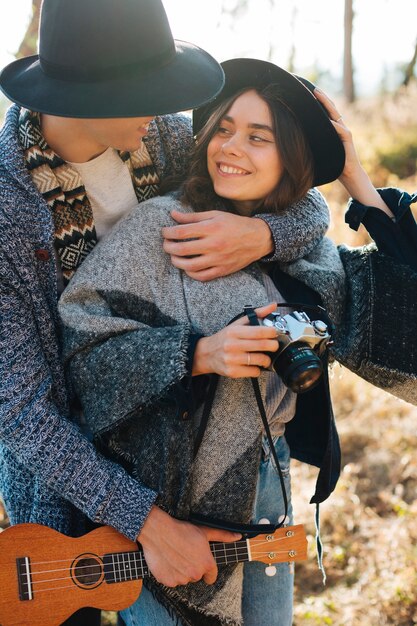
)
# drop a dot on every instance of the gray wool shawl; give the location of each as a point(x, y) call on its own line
point(128, 316)
point(377, 338)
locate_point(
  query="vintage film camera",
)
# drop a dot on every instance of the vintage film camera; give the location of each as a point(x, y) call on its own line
point(301, 343)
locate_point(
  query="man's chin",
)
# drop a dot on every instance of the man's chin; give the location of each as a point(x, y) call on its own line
point(133, 147)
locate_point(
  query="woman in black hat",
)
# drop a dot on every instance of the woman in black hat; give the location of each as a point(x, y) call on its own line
point(142, 337)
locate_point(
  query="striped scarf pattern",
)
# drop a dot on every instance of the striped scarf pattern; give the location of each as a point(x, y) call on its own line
point(63, 191)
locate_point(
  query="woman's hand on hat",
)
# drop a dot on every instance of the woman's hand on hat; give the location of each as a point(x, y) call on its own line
point(354, 178)
point(210, 244)
point(239, 350)
point(352, 163)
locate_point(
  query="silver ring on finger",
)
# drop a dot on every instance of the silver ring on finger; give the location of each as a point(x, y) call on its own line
point(339, 119)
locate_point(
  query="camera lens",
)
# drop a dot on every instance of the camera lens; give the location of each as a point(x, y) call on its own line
point(299, 367)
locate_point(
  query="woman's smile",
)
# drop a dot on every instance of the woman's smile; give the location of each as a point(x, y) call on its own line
point(226, 169)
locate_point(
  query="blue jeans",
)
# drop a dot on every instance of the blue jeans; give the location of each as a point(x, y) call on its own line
point(269, 599)
point(265, 599)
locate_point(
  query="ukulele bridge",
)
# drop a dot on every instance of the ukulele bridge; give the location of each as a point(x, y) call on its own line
point(24, 578)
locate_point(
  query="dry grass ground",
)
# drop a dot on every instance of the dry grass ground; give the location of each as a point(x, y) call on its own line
point(369, 524)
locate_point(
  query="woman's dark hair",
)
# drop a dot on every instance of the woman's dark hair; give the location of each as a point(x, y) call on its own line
point(295, 153)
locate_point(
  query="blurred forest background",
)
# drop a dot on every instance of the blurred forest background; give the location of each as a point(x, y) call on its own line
point(369, 525)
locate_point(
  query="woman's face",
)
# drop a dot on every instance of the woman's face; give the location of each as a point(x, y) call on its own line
point(242, 157)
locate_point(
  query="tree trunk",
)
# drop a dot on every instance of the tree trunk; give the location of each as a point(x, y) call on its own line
point(272, 36)
point(291, 57)
point(29, 42)
point(348, 82)
point(409, 72)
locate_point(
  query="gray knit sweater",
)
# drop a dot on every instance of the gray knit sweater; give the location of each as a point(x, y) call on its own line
point(46, 463)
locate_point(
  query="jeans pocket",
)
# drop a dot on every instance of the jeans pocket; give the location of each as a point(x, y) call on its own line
point(282, 451)
point(269, 501)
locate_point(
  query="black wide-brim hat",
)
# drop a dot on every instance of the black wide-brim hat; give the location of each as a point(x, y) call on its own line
point(297, 93)
point(110, 58)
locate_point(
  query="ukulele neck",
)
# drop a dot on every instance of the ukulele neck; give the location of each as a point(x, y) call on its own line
point(123, 566)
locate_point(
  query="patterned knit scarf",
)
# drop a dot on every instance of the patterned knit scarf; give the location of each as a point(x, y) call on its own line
point(63, 191)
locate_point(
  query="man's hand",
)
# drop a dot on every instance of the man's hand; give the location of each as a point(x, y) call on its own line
point(178, 553)
point(214, 243)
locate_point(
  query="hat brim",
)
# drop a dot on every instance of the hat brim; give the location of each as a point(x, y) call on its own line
point(326, 146)
point(190, 79)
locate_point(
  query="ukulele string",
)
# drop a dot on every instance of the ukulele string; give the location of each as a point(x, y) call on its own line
point(58, 588)
point(94, 568)
point(215, 545)
point(35, 584)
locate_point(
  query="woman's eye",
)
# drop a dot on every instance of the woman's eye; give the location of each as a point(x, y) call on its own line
point(259, 139)
point(223, 131)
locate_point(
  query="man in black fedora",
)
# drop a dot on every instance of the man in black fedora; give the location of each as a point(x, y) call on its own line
point(72, 163)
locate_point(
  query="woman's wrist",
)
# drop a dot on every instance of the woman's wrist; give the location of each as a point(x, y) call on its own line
point(360, 188)
point(201, 357)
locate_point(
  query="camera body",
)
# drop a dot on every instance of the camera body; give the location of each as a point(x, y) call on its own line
point(301, 343)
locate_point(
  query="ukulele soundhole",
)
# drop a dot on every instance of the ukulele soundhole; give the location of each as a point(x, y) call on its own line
point(87, 571)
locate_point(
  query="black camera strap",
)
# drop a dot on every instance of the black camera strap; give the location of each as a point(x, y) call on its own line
point(261, 408)
point(253, 321)
point(208, 403)
point(245, 529)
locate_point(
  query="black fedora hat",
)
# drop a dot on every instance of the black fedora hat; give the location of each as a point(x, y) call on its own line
point(110, 58)
point(297, 93)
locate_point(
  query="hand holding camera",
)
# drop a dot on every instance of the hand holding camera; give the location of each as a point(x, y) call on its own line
point(238, 350)
point(290, 344)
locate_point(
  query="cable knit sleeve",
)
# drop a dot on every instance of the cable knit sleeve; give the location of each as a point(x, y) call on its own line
point(377, 338)
point(170, 143)
point(298, 230)
point(40, 437)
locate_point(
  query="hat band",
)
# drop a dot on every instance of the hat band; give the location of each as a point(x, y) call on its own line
point(90, 74)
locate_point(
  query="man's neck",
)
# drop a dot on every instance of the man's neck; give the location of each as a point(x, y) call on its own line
point(67, 138)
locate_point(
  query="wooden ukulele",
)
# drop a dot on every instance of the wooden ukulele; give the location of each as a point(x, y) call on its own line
point(46, 576)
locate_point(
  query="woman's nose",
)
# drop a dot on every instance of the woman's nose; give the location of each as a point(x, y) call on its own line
point(233, 146)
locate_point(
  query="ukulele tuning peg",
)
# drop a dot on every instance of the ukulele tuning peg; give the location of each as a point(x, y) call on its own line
point(271, 570)
point(285, 520)
point(264, 520)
